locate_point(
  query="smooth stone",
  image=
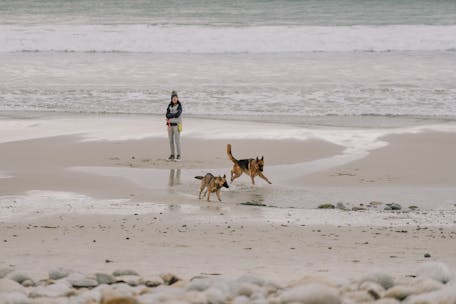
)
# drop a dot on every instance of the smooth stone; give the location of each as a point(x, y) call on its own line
point(13, 298)
point(120, 300)
point(359, 296)
point(131, 280)
point(124, 272)
point(427, 285)
point(241, 300)
point(19, 277)
point(394, 206)
point(28, 283)
point(59, 289)
point(215, 295)
point(169, 278)
point(326, 206)
point(5, 271)
point(399, 292)
point(245, 289)
point(387, 301)
point(435, 270)
point(375, 203)
point(104, 278)
point(199, 284)
point(356, 208)
point(311, 294)
point(153, 282)
point(84, 283)
point(8, 285)
point(374, 289)
point(341, 206)
point(195, 297)
point(252, 280)
point(446, 295)
point(383, 279)
point(59, 273)
point(419, 286)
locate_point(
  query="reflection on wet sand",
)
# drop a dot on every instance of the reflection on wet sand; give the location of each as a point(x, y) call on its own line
point(174, 177)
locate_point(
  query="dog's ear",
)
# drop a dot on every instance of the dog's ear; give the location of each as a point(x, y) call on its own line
point(262, 157)
point(257, 159)
point(224, 175)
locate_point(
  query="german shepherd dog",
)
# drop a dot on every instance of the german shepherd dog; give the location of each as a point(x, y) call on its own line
point(252, 167)
point(212, 184)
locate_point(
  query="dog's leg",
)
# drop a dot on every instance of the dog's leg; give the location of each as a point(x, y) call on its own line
point(235, 175)
point(253, 179)
point(201, 191)
point(264, 177)
point(218, 195)
point(208, 194)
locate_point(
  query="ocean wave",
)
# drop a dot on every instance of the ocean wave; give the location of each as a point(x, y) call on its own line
point(209, 39)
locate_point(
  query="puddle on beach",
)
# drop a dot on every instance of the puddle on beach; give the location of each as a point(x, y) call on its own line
point(180, 186)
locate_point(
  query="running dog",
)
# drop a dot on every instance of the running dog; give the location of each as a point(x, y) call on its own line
point(252, 167)
point(212, 184)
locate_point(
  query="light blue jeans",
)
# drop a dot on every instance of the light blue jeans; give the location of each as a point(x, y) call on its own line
point(174, 139)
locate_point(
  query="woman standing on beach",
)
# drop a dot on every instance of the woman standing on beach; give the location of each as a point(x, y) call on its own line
point(174, 122)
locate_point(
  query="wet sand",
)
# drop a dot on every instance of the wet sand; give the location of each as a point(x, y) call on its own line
point(72, 202)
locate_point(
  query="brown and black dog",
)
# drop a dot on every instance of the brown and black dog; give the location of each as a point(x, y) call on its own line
point(252, 167)
point(212, 184)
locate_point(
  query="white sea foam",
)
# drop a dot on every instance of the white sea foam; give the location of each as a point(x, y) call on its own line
point(210, 39)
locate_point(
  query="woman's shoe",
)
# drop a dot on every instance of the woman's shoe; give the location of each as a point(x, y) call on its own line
point(178, 158)
point(171, 157)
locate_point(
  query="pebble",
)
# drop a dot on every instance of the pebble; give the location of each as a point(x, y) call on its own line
point(169, 278)
point(436, 271)
point(153, 282)
point(84, 283)
point(393, 206)
point(431, 285)
point(19, 277)
point(28, 283)
point(58, 289)
point(311, 294)
point(124, 272)
point(341, 206)
point(59, 273)
point(326, 206)
point(7, 285)
point(132, 280)
point(104, 278)
point(383, 279)
point(5, 271)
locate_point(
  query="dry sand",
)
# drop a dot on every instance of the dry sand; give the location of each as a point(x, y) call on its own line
point(423, 159)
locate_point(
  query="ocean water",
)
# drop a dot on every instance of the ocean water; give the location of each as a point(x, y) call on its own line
point(349, 62)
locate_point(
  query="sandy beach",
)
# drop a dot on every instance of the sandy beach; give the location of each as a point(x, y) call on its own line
point(78, 191)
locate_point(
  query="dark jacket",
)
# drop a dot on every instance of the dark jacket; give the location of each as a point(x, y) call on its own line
point(173, 113)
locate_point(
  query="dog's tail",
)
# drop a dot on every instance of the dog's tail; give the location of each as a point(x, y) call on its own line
point(230, 156)
point(199, 177)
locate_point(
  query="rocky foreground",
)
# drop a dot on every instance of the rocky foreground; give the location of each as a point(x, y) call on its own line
point(432, 283)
